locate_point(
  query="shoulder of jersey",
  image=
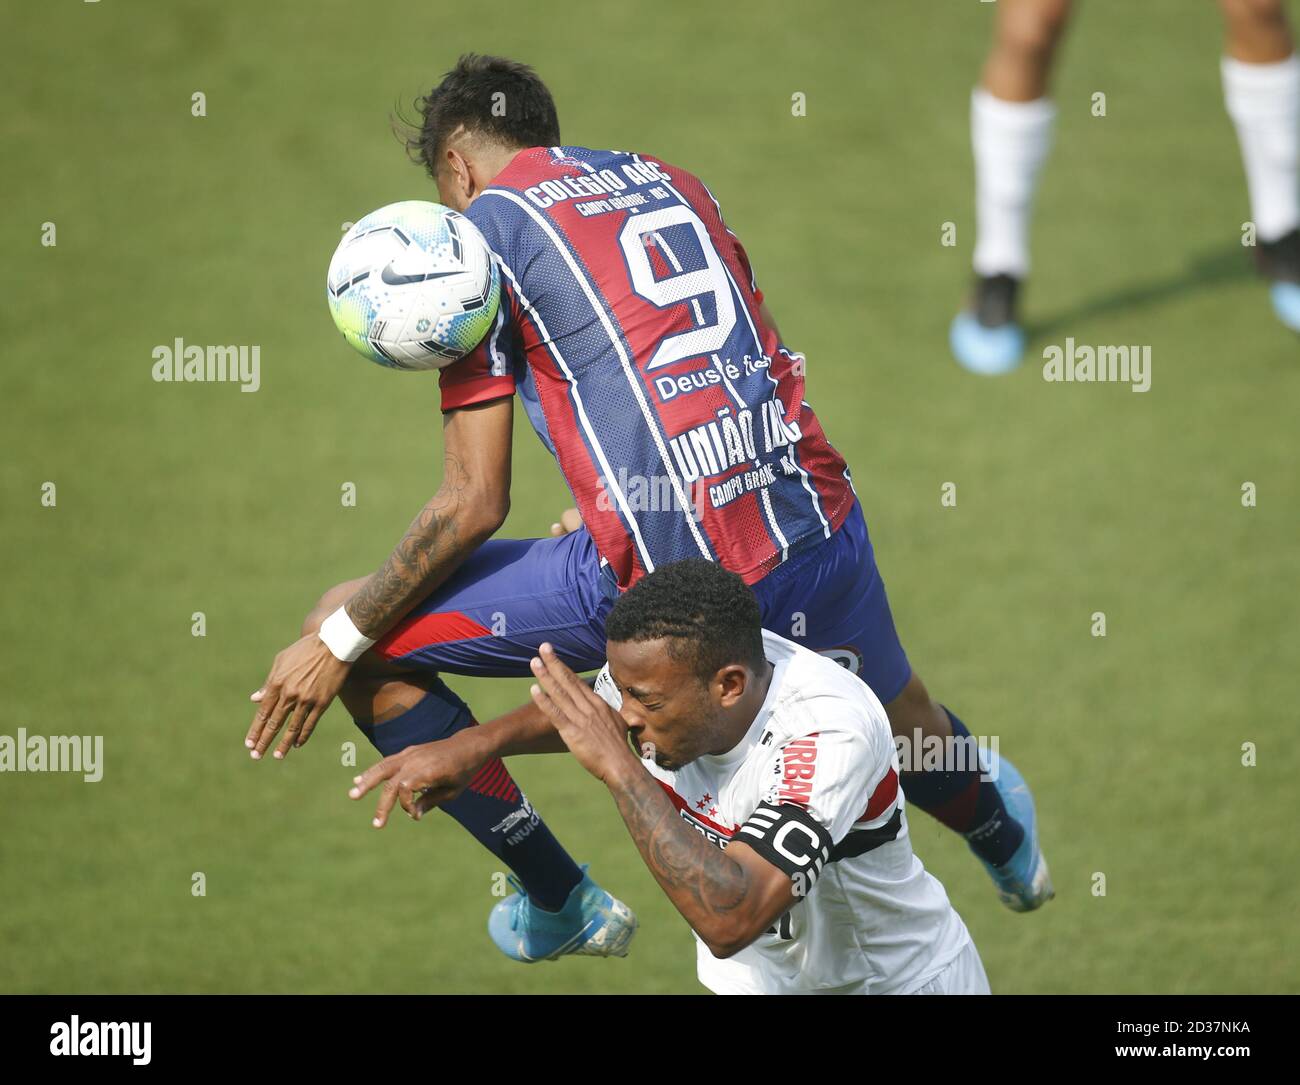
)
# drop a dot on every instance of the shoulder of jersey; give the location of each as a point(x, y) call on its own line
point(528, 168)
point(822, 692)
point(536, 163)
point(540, 163)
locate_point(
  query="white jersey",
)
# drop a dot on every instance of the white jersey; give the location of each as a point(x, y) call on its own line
point(813, 787)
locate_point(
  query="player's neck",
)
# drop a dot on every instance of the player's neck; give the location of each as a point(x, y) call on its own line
point(493, 161)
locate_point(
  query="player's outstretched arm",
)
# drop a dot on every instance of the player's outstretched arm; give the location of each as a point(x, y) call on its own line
point(471, 503)
point(432, 773)
point(728, 897)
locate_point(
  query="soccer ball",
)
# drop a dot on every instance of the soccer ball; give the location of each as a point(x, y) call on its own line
point(413, 286)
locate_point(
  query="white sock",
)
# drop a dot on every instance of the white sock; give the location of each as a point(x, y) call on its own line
point(1010, 140)
point(1263, 101)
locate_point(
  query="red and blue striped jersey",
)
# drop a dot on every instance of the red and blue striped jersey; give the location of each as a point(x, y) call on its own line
point(629, 326)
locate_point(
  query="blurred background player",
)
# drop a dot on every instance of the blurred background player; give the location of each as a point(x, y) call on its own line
point(1011, 132)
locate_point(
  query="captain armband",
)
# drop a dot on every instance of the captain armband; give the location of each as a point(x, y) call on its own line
point(789, 838)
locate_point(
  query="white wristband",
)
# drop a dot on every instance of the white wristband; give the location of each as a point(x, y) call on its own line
point(344, 639)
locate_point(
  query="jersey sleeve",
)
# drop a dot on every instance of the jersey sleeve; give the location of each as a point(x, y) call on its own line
point(490, 370)
point(473, 379)
point(743, 257)
point(823, 784)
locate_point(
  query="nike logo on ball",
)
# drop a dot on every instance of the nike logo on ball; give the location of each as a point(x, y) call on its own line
point(396, 278)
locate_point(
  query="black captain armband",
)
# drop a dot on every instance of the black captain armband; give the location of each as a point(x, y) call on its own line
point(789, 838)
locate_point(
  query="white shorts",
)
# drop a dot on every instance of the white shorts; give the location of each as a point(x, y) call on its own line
point(963, 976)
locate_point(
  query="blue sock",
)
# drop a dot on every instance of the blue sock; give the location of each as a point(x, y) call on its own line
point(492, 808)
point(967, 805)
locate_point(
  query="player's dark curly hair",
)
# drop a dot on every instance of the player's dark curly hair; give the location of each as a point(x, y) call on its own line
point(491, 96)
point(708, 616)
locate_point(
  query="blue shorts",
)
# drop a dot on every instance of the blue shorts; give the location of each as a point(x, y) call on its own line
point(510, 595)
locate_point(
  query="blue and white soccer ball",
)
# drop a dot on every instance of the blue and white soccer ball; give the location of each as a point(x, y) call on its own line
point(413, 286)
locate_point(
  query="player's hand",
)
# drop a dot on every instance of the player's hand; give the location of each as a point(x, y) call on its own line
point(570, 520)
point(595, 734)
point(304, 679)
point(419, 777)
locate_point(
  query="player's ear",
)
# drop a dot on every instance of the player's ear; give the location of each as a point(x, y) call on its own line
point(731, 682)
point(459, 172)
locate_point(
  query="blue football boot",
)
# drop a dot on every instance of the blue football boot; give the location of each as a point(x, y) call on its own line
point(1286, 303)
point(987, 338)
point(1023, 882)
point(592, 923)
point(1279, 262)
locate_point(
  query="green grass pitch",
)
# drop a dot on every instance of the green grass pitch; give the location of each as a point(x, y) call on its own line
point(1072, 499)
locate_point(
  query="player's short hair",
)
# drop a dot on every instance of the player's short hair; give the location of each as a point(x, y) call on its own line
point(492, 97)
point(708, 616)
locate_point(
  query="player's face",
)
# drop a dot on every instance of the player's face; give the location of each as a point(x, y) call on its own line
point(669, 711)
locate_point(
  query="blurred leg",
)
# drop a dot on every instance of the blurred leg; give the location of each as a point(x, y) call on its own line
point(1261, 88)
point(1024, 43)
point(1011, 130)
point(1256, 31)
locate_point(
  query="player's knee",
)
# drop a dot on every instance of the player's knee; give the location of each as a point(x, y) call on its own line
point(1033, 29)
point(1246, 13)
point(913, 709)
point(311, 623)
point(375, 698)
point(316, 616)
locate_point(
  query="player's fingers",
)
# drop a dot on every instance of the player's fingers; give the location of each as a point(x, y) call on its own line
point(406, 797)
point(591, 698)
point(428, 799)
point(265, 707)
point(578, 698)
point(387, 800)
point(374, 775)
point(548, 681)
point(566, 719)
point(559, 673)
point(543, 701)
point(264, 698)
point(275, 720)
point(570, 520)
point(309, 725)
point(292, 728)
point(553, 661)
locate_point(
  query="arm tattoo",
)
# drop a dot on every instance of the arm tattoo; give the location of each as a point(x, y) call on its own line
point(428, 552)
point(698, 878)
